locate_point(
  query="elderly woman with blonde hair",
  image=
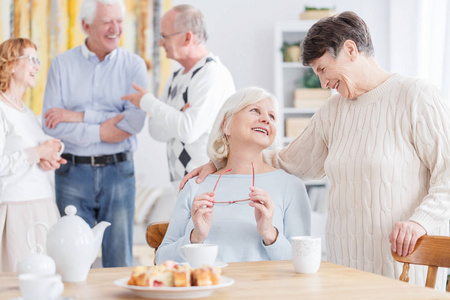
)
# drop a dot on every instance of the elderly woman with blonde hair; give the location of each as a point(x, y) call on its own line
point(26, 193)
point(247, 226)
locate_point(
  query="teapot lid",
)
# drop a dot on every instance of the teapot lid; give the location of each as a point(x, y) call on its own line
point(70, 210)
point(71, 224)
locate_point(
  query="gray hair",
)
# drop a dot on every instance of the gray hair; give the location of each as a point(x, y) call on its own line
point(191, 19)
point(88, 9)
point(218, 147)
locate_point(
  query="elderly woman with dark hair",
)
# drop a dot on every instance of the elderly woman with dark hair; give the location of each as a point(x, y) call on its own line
point(384, 143)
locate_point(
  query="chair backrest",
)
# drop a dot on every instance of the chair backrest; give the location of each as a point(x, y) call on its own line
point(155, 234)
point(431, 251)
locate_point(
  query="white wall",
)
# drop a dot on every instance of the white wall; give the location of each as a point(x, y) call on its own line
point(241, 34)
point(150, 161)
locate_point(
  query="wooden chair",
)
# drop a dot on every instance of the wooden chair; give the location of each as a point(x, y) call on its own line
point(155, 234)
point(431, 251)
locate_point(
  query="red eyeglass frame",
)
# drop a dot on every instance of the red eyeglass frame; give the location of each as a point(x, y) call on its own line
point(234, 201)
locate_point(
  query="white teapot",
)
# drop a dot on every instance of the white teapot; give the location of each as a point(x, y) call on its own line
point(37, 262)
point(73, 245)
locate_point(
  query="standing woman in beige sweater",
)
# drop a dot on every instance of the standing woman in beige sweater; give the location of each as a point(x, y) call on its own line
point(384, 143)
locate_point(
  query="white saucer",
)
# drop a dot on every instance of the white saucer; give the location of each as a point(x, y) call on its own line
point(191, 292)
point(220, 264)
point(217, 264)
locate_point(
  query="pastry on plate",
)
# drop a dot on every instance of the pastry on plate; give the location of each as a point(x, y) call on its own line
point(205, 276)
point(171, 274)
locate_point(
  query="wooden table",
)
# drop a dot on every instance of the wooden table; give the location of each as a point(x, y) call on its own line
point(256, 280)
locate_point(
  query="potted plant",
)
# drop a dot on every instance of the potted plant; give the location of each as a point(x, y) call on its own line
point(308, 80)
point(308, 92)
point(315, 13)
point(291, 52)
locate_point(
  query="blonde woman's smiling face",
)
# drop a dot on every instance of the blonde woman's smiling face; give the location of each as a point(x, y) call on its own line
point(255, 124)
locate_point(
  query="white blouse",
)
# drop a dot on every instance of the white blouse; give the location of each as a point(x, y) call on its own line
point(21, 178)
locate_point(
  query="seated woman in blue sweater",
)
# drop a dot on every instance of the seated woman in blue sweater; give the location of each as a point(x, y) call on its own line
point(249, 209)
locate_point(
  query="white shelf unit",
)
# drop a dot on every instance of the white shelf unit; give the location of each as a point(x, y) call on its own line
point(286, 73)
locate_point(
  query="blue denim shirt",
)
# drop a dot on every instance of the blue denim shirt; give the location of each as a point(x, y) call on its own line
point(78, 81)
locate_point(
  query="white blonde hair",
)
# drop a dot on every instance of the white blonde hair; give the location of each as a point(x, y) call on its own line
point(218, 146)
point(88, 9)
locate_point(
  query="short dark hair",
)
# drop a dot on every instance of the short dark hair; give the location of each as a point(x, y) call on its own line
point(329, 34)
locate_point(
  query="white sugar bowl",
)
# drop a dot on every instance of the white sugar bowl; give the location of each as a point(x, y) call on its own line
point(37, 262)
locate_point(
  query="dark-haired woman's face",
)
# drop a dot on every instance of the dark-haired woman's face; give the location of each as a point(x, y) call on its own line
point(337, 73)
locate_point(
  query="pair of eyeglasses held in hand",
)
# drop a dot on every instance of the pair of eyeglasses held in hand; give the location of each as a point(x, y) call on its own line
point(226, 203)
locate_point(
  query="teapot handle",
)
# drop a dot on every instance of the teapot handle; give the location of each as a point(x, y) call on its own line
point(38, 248)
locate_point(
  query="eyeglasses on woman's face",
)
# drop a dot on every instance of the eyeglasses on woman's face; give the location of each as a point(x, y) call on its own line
point(33, 59)
point(226, 203)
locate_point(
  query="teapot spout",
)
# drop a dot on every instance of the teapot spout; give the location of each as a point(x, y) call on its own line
point(98, 232)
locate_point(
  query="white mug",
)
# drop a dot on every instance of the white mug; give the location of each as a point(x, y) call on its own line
point(306, 254)
point(40, 287)
point(61, 150)
point(198, 255)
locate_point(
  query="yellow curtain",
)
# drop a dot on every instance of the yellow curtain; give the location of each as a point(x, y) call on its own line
point(166, 64)
point(54, 26)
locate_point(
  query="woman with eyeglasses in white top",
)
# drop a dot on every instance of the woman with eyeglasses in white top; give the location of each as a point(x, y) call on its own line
point(26, 193)
point(248, 208)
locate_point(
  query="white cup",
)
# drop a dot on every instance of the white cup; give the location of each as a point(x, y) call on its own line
point(62, 149)
point(306, 254)
point(198, 255)
point(40, 287)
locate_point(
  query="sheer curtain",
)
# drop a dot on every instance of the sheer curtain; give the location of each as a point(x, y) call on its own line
point(445, 87)
point(434, 43)
point(420, 40)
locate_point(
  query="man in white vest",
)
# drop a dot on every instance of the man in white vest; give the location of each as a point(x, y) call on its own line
point(193, 95)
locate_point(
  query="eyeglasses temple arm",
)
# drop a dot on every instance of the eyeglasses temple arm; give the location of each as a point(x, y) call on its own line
point(253, 169)
point(219, 178)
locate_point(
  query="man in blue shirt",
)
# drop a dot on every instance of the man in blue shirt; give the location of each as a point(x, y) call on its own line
point(82, 107)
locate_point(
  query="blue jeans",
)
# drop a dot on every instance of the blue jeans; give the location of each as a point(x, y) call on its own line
point(102, 194)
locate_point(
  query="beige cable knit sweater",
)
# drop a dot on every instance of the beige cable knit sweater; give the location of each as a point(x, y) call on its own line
point(387, 155)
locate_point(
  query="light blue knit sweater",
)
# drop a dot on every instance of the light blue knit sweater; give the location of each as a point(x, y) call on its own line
point(234, 226)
